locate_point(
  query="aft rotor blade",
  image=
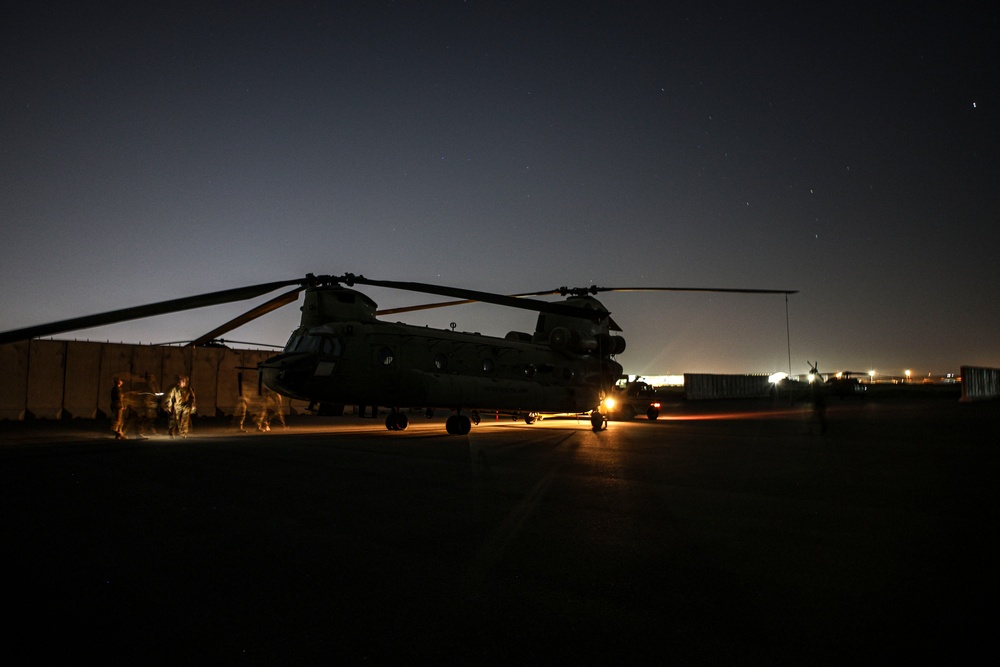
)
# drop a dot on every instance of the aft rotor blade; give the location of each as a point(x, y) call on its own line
point(734, 290)
point(588, 290)
point(486, 297)
point(149, 310)
point(460, 302)
point(250, 315)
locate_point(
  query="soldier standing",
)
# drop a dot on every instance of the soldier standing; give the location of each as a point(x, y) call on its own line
point(180, 404)
point(118, 409)
point(240, 413)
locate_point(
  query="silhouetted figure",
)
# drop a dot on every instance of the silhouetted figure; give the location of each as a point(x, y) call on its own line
point(819, 405)
point(180, 404)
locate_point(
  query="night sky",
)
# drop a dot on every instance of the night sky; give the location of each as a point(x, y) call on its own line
point(851, 152)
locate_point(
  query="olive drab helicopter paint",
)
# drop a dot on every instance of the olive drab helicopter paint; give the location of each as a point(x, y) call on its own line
point(343, 354)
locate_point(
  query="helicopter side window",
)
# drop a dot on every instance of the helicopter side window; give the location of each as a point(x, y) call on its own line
point(385, 356)
point(440, 361)
point(329, 346)
point(488, 366)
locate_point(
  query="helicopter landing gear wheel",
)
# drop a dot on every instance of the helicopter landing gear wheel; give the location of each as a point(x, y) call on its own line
point(652, 414)
point(476, 418)
point(396, 421)
point(458, 425)
point(598, 421)
point(529, 418)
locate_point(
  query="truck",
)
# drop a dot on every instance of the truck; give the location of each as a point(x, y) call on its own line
point(633, 397)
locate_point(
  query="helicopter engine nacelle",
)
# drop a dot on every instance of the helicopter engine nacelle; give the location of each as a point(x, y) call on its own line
point(564, 339)
point(333, 303)
point(608, 344)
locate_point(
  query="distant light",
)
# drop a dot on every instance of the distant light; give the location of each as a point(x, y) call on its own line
point(660, 380)
point(775, 378)
point(812, 378)
point(609, 403)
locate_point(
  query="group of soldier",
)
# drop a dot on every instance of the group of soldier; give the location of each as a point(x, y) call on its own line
point(142, 409)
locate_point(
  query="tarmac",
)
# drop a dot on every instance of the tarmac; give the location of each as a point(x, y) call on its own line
point(722, 533)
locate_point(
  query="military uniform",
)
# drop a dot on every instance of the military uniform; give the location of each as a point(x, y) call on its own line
point(118, 410)
point(180, 403)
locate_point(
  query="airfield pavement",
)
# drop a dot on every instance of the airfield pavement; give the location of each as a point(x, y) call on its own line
point(723, 533)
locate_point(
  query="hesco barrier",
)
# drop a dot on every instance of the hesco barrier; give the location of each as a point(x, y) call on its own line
point(52, 379)
point(980, 384)
point(699, 386)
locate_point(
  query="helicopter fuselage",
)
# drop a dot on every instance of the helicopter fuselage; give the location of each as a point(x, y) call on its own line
point(397, 365)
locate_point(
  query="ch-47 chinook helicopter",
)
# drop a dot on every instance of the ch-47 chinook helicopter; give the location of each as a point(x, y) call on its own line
point(342, 354)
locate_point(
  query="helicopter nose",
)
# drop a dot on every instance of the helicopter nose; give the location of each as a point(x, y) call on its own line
point(286, 373)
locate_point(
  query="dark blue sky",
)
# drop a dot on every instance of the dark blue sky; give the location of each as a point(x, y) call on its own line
point(850, 153)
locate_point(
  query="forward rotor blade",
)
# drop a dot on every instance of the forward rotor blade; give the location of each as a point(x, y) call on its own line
point(149, 310)
point(250, 315)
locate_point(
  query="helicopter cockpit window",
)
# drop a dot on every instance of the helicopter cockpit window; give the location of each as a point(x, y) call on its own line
point(324, 345)
point(385, 356)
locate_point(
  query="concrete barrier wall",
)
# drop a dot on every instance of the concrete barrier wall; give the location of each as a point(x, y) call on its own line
point(50, 379)
point(13, 380)
point(702, 386)
point(46, 378)
point(980, 384)
point(81, 397)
